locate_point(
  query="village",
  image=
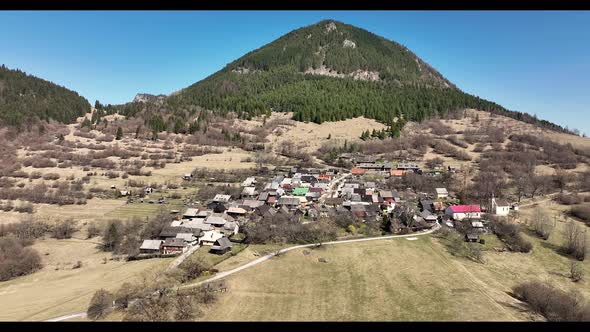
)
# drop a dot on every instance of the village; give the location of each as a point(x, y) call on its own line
point(309, 194)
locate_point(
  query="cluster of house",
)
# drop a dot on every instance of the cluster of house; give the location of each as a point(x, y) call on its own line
point(211, 227)
point(369, 165)
point(300, 190)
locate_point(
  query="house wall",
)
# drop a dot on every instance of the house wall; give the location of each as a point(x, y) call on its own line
point(172, 250)
point(502, 210)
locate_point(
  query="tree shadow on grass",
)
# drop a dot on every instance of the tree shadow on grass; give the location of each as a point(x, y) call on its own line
point(555, 248)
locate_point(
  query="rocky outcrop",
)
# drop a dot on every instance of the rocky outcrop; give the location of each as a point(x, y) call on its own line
point(330, 27)
point(243, 70)
point(348, 43)
point(363, 75)
point(148, 98)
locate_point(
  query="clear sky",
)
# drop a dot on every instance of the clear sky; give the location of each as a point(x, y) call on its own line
point(535, 62)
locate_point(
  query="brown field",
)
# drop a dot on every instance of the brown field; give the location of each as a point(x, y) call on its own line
point(312, 135)
point(57, 289)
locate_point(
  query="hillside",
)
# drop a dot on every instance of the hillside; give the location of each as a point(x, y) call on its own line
point(332, 71)
point(26, 98)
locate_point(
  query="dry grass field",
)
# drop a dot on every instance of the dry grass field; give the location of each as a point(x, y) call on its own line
point(397, 280)
point(382, 280)
point(57, 289)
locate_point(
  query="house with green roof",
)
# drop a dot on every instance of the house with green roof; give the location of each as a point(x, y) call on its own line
point(300, 191)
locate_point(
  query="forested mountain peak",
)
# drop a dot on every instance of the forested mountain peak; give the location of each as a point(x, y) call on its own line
point(330, 71)
point(341, 50)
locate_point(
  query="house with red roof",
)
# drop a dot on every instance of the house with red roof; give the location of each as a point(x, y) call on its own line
point(460, 212)
point(357, 171)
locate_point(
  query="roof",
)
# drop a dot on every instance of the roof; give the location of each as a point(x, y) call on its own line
point(441, 191)
point(313, 194)
point(357, 171)
point(464, 208)
point(427, 215)
point(221, 243)
point(188, 237)
point(334, 200)
point(204, 214)
point(174, 242)
point(288, 201)
point(252, 203)
point(177, 223)
point(386, 193)
point(236, 210)
point(151, 244)
point(211, 236)
point(221, 198)
point(215, 220)
point(249, 181)
point(197, 224)
point(191, 212)
point(250, 191)
point(397, 172)
point(263, 196)
point(170, 231)
point(300, 191)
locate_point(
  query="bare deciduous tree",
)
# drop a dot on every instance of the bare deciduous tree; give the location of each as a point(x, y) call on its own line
point(100, 304)
point(542, 224)
point(575, 241)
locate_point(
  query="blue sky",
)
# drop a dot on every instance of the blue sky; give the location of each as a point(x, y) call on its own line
point(535, 62)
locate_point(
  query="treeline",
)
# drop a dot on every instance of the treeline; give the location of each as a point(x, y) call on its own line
point(319, 98)
point(26, 98)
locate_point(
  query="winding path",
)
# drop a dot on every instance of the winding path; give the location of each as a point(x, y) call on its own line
point(265, 258)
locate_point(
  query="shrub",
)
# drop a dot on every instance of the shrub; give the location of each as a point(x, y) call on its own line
point(576, 272)
point(92, 230)
point(24, 208)
point(35, 175)
point(542, 225)
point(510, 234)
point(553, 304)
point(43, 163)
point(51, 176)
point(77, 265)
point(112, 175)
point(576, 241)
point(19, 174)
point(16, 260)
point(63, 229)
point(582, 212)
point(192, 269)
point(100, 304)
point(6, 206)
point(568, 199)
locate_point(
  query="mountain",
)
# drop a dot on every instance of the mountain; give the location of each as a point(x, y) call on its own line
point(26, 99)
point(331, 71)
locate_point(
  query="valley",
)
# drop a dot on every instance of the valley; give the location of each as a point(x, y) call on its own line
point(329, 175)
